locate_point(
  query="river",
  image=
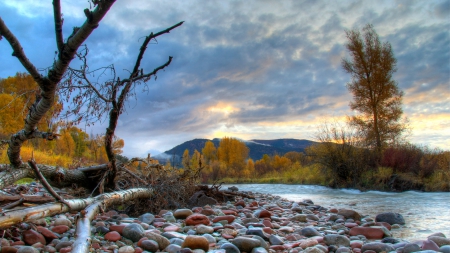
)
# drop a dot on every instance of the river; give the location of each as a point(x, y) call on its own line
point(424, 212)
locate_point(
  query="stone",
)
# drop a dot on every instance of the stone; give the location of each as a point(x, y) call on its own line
point(410, 247)
point(31, 237)
point(299, 217)
point(147, 218)
point(113, 236)
point(200, 199)
point(62, 221)
point(233, 188)
point(133, 231)
point(176, 241)
point(126, 249)
point(440, 241)
point(210, 238)
point(276, 240)
point(338, 240)
point(314, 250)
point(230, 248)
point(170, 235)
point(67, 249)
point(150, 245)
point(182, 213)
point(27, 249)
point(49, 249)
point(202, 229)
point(349, 214)
point(312, 217)
point(262, 213)
point(377, 247)
point(8, 249)
point(196, 242)
point(343, 250)
point(257, 231)
point(60, 229)
point(118, 228)
point(102, 230)
point(61, 245)
point(162, 241)
point(368, 232)
point(309, 232)
point(245, 244)
point(228, 218)
point(46, 233)
point(390, 218)
point(196, 219)
point(430, 245)
point(173, 248)
point(445, 249)
point(310, 242)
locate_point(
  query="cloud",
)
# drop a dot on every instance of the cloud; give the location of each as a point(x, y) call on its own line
point(248, 69)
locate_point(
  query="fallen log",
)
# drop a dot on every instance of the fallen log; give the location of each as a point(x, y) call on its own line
point(12, 217)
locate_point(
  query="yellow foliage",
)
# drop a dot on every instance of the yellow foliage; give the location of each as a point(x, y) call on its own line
point(27, 152)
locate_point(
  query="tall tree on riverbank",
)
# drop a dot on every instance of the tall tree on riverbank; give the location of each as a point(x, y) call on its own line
point(376, 95)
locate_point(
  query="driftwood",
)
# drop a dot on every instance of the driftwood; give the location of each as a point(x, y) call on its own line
point(12, 217)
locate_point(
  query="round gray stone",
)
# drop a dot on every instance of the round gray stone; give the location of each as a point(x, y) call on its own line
point(391, 218)
point(147, 218)
point(230, 248)
point(133, 231)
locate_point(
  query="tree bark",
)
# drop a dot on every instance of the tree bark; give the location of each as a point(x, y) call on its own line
point(13, 217)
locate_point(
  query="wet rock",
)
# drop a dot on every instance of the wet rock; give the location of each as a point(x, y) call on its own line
point(390, 218)
point(377, 247)
point(173, 248)
point(338, 240)
point(197, 219)
point(368, 232)
point(230, 248)
point(343, 250)
point(390, 240)
point(430, 245)
point(49, 235)
point(150, 245)
point(312, 217)
point(350, 214)
point(257, 231)
point(31, 237)
point(133, 231)
point(245, 244)
point(259, 250)
point(262, 213)
point(61, 245)
point(60, 229)
point(170, 235)
point(410, 247)
point(445, 249)
point(228, 218)
point(147, 218)
point(182, 213)
point(196, 242)
point(27, 249)
point(276, 240)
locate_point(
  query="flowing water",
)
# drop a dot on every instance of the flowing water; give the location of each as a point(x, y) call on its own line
point(424, 212)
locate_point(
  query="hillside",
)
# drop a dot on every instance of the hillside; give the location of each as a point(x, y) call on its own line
point(257, 147)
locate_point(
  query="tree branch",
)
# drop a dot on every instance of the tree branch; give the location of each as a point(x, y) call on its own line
point(19, 53)
point(58, 25)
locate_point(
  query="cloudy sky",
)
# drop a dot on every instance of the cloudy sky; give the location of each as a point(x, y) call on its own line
point(261, 69)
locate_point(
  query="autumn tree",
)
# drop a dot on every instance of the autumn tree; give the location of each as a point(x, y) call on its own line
point(47, 83)
point(376, 95)
point(209, 152)
point(233, 153)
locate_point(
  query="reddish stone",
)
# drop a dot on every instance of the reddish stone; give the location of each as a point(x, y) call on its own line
point(162, 212)
point(20, 243)
point(240, 203)
point(253, 204)
point(277, 247)
point(207, 211)
point(264, 214)
point(9, 249)
point(430, 245)
point(31, 237)
point(111, 213)
point(267, 223)
point(38, 245)
point(197, 209)
point(138, 250)
point(95, 245)
point(112, 236)
point(368, 232)
point(384, 224)
point(357, 250)
point(356, 244)
point(333, 210)
point(350, 224)
point(158, 224)
point(229, 212)
point(229, 218)
point(60, 229)
point(227, 236)
point(66, 249)
point(140, 241)
point(46, 233)
point(159, 220)
point(171, 228)
point(196, 219)
point(117, 228)
point(268, 230)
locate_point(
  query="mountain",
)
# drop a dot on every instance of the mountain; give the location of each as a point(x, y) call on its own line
point(257, 147)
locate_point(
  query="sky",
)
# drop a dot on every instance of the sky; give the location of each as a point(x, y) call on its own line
point(250, 69)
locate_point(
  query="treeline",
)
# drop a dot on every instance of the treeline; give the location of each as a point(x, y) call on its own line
point(73, 145)
point(333, 163)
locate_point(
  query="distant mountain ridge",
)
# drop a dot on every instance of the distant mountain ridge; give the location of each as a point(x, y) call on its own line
point(257, 147)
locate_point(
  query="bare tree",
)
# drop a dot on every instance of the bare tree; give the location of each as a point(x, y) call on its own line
point(376, 95)
point(48, 83)
point(95, 98)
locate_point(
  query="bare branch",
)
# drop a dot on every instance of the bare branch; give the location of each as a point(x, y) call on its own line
point(58, 24)
point(45, 183)
point(19, 53)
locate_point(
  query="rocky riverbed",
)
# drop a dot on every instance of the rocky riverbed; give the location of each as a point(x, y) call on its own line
point(265, 223)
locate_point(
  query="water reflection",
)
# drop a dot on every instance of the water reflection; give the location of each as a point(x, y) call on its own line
point(424, 212)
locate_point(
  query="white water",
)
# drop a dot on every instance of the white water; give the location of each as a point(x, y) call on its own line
point(424, 212)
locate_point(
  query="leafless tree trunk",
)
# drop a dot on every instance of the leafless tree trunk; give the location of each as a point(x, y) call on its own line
point(48, 84)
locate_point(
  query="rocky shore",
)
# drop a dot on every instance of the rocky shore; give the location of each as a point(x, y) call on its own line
point(265, 223)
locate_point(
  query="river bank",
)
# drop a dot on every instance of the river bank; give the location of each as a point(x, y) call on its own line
point(265, 223)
